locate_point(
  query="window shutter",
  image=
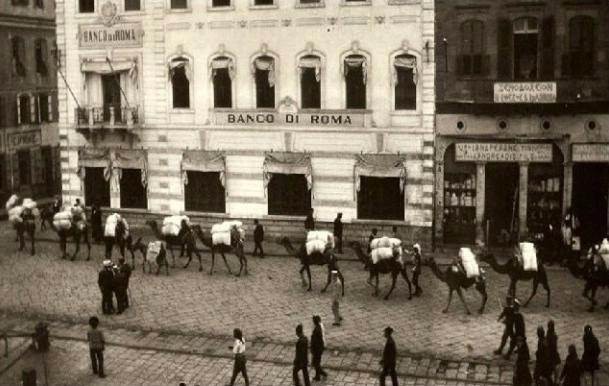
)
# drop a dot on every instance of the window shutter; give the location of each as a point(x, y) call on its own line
point(504, 49)
point(547, 44)
point(566, 65)
point(15, 170)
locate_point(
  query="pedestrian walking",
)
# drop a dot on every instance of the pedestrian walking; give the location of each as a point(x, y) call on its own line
point(519, 329)
point(522, 373)
point(318, 345)
point(105, 281)
point(258, 239)
point(56, 205)
point(542, 371)
point(336, 294)
point(507, 318)
point(97, 343)
point(338, 232)
point(389, 358)
point(240, 360)
point(309, 222)
point(553, 355)
point(590, 356)
point(572, 371)
point(394, 232)
point(416, 270)
point(301, 360)
point(96, 223)
point(371, 237)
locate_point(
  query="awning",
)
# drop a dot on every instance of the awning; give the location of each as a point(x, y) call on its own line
point(355, 61)
point(405, 61)
point(130, 159)
point(221, 63)
point(180, 63)
point(311, 62)
point(379, 165)
point(203, 161)
point(101, 66)
point(265, 63)
point(287, 163)
point(94, 158)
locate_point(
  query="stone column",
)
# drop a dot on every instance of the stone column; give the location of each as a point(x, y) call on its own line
point(567, 190)
point(522, 199)
point(439, 214)
point(480, 197)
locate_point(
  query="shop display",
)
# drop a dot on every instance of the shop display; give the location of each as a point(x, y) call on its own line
point(459, 207)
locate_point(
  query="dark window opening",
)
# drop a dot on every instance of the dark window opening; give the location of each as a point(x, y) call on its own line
point(41, 57)
point(133, 192)
point(97, 189)
point(18, 48)
point(472, 60)
point(132, 5)
point(355, 80)
point(49, 171)
point(220, 3)
point(39, 4)
point(581, 54)
point(265, 87)
point(289, 195)
point(310, 1)
point(20, 2)
point(263, 2)
point(405, 87)
point(223, 93)
point(25, 112)
point(179, 4)
point(525, 49)
point(180, 87)
point(310, 90)
point(112, 97)
point(380, 198)
point(204, 193)
point(86, 6)
point(43, 106)
point(25, 167)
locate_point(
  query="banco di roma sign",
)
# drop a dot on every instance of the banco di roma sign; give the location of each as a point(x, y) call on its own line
point(117, 35)
point(261, 118)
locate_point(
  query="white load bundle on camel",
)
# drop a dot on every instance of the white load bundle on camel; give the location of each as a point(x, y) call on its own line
point(111, 222)
point(153, 251)
point(78, 213)
point(12, 201)
point(221, 233)
point(385, 242)
point(14, 214)
point(27, 207)
point(62, 220)
point(603, 251)
point(319, 241)
point(528, 256)
point(382, 248)
point(468, 259)
point(173, 224)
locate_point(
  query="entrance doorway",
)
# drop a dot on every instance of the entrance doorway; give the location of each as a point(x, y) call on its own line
point(112, 96)
point(590, 190)
point(501, 202)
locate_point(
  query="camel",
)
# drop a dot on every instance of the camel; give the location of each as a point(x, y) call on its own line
point(177, 241)
point(46, 218)
point(160, 261)
point(595, 278)
point(516, 273)
point(326, 258)
point(236, 248)
point(77, 231)
point(121, 241)
point(387, 266)
point(27, 226)
point(458, 281)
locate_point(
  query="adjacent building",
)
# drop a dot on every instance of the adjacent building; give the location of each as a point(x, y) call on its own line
point(29, 152)
point(522, 118)
point(251, 109)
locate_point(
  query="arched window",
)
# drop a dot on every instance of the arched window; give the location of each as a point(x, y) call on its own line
point(264, 77)
point(525, 48)
point(40, 53)
point(223, 72)
point(405, 82)
point(310, 81)
point(355, 72)
point(472, 60)
point(581, 46)
point(18, 56)
point(180, 76)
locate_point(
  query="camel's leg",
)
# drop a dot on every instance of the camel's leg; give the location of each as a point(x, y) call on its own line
point(225, 262)
point(77, 246)
point(512, 288)
point(121, 247)
point(87, 243)
point(342, 281)
point(213, 259)
point(592, 298)
point(304, 282)
point(244, 258)
point(198, 257)
point(189, 254)
point(309, 277)
point(481, 288)
point(63, 245)
point(405, 276)
point(394, 278)
point(33, 237)
point(328, 280)
point(376, 283)
point(460, 293)
point(450, 299)
point(546, 286)
point(21, 237)
point(173, 258)
point(535, 285)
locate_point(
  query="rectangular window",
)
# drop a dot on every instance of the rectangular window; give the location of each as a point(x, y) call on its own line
point(204, 193)
point(179, 4)
point(49, 171)
point(180, 84)
point(310, 1)
point(20, 2)
point(132, 5)
point(223, 93)
point(133, 192)
point(40, 55)
point(405, 89)
point(39, 4)
point(380, 198)
point(25, 167)
point(112, 97)
point(220, 3)
point(289, 195)
point(355, 82)
point(18, 48)
point(263, 2)
point(25, 116)
point(310, 89)
point(43, 106)
point(265, 93)
point(86, 6)
point(97, 189)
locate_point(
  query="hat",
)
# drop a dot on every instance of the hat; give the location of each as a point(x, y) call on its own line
point(388, 330)
point(516, 301)
point(334, 272)
point(417, 247)
point(107, 263)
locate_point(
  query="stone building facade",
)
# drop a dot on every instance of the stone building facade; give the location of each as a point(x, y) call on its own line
point(522, 118)
point(29, 146)
point(251, 109)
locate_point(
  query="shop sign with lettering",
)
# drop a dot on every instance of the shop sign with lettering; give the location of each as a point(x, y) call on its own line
point(525, 92)
point(23, 140)
point(117, 35)
point(504, 152)
point(256, 118)
point(590, 152)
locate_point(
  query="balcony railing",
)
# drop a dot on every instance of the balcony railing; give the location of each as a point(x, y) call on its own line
point(112, 116)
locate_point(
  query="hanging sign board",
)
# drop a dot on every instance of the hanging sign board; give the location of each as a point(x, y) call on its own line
point(117, 35)
point(504, 152)
point(525, 92)
point(590, 152)
point(26, 139)
point(317, 118)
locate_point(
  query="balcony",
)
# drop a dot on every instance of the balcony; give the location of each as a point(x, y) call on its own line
point(109, 118)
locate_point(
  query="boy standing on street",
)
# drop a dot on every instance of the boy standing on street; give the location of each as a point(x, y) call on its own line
point(336, 294)
point(96, 347)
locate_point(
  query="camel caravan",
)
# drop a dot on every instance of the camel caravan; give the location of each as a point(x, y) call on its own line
point(23, 215)
point(594, 270)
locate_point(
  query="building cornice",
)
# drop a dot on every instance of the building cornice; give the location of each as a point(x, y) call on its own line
point(18, 21)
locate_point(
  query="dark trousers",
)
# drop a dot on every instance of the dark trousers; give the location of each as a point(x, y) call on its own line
point(513, 339)
point(258, 249)
point(97, 361)
point(239, 367)
point(415, 281)
point(121, 298)
point(391, 372)
point(339, 243)
point(506, 334)
point(316, 362)
point(109, 242)
point(305, 375)
point(107, 304)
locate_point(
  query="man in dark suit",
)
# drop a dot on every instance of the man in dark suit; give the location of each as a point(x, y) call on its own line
point(301, 361)
point(338, 232)
point(318, 345)
point(105, 281)
point(389, 359)
point(519, 328)
point(507, 318)
point(258, 239)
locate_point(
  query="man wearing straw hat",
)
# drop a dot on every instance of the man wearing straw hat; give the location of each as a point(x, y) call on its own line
point(105, 281)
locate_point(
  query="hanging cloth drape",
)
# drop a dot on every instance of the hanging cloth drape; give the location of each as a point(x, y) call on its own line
point(94, 158)
point(311, 62)
point(101, 66)
point(379, 165)
point(130, 159)
point(354, 62)
point(405, 61)
point(203, 161)
point(287, 163)
point(265, 63)
point(220, 63)
point(180, 63)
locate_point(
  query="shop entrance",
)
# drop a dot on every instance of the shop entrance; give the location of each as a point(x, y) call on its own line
point(501, 202)
point(590, 190)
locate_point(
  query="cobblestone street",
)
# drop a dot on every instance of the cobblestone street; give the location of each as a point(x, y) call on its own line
point(195, 311)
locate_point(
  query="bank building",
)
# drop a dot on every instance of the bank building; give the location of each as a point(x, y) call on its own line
point(251, 109)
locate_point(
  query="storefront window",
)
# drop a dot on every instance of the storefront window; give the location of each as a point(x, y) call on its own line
point(204, 192)
point(544, 206)
point(380, 198)
point(459, 199)
point(97, 189)
point(289, 195)
point(133, 192)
